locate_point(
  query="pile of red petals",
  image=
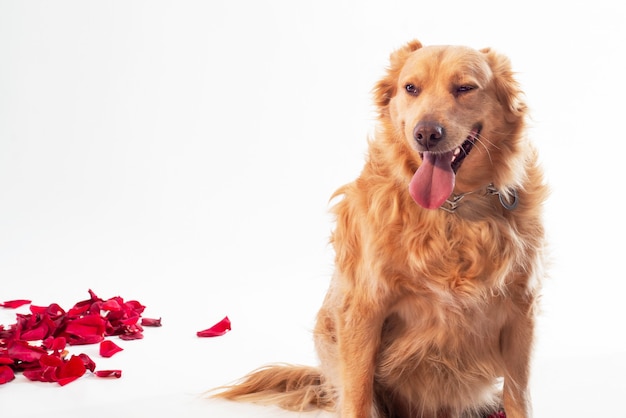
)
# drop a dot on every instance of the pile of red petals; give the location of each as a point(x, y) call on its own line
point(36, 344)
point(499, 414)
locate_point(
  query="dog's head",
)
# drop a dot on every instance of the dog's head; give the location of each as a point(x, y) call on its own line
point(458, 112)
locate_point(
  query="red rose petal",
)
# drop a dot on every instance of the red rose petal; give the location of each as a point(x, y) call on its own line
point(151, 322)
point(39, 330)
point(55, 344)
point(36, 375)
point(86, 330)
point(109, 348)
point(22, 351)
point(85, 340)
point(88, 362)
point(86, 325)
point(111, 305)
point(216, 330)
point(6, 374)
point(5, 361)
point(131, 336)
point(67, 380)
point(78, 310)
point(51, 361)
point(71, 370)
point(134, 306)
point(54, 311)
point(47, 369)
point(12, 304)
point(109, 373)
point(129, 321)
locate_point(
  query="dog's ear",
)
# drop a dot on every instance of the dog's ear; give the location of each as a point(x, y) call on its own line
point(507, 89)
point(386, 88)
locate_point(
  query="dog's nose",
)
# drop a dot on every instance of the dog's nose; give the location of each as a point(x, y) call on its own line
point(428, 134)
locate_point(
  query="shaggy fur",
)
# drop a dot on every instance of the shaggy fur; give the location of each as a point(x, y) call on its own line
point(429, 313)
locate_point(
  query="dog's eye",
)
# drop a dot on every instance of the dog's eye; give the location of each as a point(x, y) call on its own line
point(412, 89)
point(463, 89)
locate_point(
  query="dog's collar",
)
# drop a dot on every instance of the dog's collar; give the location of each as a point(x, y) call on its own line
point(509, 202)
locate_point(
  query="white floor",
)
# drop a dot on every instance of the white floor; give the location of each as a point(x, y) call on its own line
point(166, 373)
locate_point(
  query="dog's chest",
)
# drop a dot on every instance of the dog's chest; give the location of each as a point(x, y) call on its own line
point(429, 342)
point(443, 321)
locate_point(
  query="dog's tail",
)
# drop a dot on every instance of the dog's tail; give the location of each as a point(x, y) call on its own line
point(296, 388)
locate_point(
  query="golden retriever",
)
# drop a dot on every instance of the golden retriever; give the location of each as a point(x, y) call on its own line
point(439, 254)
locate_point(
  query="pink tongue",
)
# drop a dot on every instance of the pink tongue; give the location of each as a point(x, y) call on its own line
point(433, 182)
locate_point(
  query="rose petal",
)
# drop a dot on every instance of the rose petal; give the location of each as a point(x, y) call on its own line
point(131, 336)
point(78, 310)
point(88, 362)
point(36, 375)
point(38, 330)
point(85, 330)
point(46, 371)
point(92, 295)
point(216, 330)
point(84, 306)
point(55, 344)
point(54, 311)
point(151, 322)
point(12, 304)
point(51, 361)
point(129, 321)
point(109, 373)
point(71, 370)
point(84, 340)
point(109, 348)
point(22, 351)
point(6, 374)
point(134, 306)
point(5, 361)
point(112, 304)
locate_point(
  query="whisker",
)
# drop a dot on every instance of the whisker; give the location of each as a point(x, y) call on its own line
point(485, 139)
point(480, 140)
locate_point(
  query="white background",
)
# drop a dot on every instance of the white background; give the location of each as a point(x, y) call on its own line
point(182, 153)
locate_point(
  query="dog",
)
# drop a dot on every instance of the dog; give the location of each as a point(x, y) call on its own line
point(439, 254)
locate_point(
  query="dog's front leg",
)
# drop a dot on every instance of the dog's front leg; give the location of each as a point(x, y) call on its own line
point(359, 334)
point(516, 343)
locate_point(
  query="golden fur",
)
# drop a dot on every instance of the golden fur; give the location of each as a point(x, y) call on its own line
point(429, 314)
